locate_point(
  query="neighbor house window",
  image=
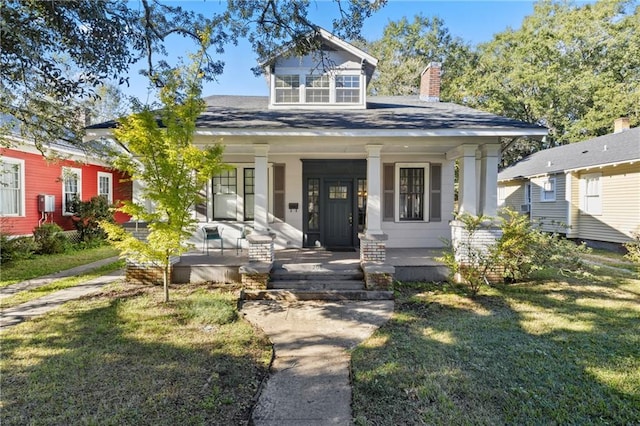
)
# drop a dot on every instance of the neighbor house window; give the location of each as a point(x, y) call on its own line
point(105, 186)
point(348, 89)
point(71, 188)
point(249, 193)
point(317, 89)
point(11, 187)
point(410, 192)
point(287, 89)
point(591, 188)
point(224, 186)
point(548, 190)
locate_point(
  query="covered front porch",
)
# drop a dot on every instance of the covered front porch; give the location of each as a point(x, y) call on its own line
point(411, 264)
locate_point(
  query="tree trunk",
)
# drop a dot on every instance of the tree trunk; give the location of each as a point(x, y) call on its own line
point(165, 277)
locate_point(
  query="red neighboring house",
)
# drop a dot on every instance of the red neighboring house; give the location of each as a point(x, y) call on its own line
point(26, 176)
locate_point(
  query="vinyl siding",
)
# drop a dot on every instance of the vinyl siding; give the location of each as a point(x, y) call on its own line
point(513, 194)
point(620, 206)
point(551, 214)
point(574, 209)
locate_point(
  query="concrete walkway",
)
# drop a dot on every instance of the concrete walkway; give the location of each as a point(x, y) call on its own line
point(309, 382)
point(17, 314)
point(41, 281)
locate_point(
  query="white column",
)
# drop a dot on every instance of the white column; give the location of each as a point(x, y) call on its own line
point(261, 197)
point(490, 157)
point(467, 198)
point(374, 198)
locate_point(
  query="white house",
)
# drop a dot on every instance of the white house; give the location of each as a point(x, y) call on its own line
point(318, 162)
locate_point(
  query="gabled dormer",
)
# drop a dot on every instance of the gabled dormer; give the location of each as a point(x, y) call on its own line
point(335, 76)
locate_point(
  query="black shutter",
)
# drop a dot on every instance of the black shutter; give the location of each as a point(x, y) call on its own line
point(278, 191)
point(435, 193)
point(388, 188)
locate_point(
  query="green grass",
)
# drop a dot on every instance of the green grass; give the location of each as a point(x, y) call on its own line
point(124, 357)
point(28, 295)
point(44, 265)
point(559, 351)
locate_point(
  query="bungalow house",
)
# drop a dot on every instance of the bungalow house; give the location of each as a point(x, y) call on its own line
point(36, 190)
point(319, 163)
point(588, 190)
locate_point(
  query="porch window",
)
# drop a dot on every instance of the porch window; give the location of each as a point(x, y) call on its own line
point(287, 89)
point(105, 186)
point(11, 187)
point(249, 193)
point(348, 89)
point(224, 194)
point(317, 89)
point(71, 188)
point(313, 196)
point(410, 193)
point(591, 189)
point(548, 190)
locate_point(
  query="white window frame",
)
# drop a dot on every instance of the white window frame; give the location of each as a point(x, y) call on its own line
point(283, 77)
point(21, 186)
point(591, 202)
point(548, 195)
point(425, 189)
point(109, 177)
point(302, 87)
point(66, 172)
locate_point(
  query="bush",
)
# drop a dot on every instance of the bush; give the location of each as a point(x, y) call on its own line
point(633, 249)
point(18, 248)
point(87, 217)
point(50, 239)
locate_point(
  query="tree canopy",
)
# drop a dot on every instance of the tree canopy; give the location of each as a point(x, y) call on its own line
point(574, 69)
point(53, 53)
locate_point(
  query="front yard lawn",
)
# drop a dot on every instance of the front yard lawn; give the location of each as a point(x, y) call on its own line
point(124, 357)
point(558, 351)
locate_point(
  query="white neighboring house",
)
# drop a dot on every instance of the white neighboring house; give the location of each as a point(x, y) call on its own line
point(320, 163)
point(588, 190)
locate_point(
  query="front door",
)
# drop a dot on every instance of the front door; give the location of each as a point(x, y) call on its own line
point(338, 213)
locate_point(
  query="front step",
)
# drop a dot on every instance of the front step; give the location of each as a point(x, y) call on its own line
point(322, 275)
point(298, 295)
point(316, 285)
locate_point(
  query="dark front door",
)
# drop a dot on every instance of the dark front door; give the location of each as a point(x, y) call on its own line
point(338, 213)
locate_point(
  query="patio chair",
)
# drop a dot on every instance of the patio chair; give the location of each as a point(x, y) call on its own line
point(246, 230)
point(211, 233)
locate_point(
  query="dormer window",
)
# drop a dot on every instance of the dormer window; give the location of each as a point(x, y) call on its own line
point(347, 88)
point(317, 89)
point(287, 89)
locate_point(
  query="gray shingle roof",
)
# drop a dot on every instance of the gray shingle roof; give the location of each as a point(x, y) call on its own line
point(382, 113)
point(607, 149)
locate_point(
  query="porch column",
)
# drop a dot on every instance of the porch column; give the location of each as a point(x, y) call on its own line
point(467, 184)
point(490, 156)
point(261, 198)
point(374, 198)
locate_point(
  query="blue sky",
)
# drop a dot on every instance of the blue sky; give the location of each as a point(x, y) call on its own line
point(475, 21)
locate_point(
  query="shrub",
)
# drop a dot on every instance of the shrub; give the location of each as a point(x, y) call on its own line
point(17, 248)
point(633, 249)
point(524, 248)
point(87, 217)
point(50, 239)
point(470, 262)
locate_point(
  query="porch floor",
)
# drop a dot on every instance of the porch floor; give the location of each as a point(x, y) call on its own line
point(412, 264)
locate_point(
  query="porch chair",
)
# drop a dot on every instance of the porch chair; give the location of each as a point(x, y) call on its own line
point(211, 233)
point(246, 230)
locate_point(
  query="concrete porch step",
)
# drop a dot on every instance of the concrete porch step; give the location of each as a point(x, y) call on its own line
point(297, 295)
point(350, 274)
point(330, 284)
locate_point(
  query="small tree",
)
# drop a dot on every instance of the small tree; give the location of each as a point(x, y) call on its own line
point(161, 154)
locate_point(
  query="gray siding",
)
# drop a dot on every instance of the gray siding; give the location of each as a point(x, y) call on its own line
point(551, 214)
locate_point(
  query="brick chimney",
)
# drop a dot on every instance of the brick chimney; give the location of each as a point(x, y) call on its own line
point(430, 83)
point(621, 124)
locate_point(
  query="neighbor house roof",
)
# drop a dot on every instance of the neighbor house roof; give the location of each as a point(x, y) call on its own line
point(610, 149)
